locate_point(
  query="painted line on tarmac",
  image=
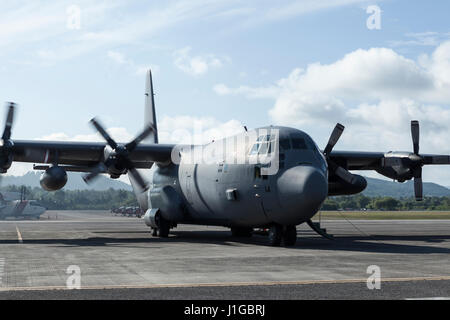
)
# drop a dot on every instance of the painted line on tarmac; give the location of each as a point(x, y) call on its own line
point(2, 270)
point(429, 298)
point(19, 235)
point(224, 284)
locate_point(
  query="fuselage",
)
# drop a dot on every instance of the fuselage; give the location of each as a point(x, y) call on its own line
point(264, 176)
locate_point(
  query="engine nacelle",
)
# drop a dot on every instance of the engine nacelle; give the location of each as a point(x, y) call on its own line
point(54, 178)
point(340, 187)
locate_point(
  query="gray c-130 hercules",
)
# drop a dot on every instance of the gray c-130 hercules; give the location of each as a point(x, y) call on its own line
point(272, 177)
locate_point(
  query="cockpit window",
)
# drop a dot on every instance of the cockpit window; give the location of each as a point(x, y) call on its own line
point(264, 148)
point(264, 145)
point(298, 143)
point(255, 148)
point(302, 142)
point(285, 144)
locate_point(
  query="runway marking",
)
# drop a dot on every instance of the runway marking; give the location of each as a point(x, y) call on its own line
point(2, 269)
point(225, 284)
point(19, 235)
point(429, 298)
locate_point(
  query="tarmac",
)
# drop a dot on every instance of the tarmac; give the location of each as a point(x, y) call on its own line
point(115, 257)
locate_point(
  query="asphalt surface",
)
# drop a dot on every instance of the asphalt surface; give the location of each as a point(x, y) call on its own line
point(118, 259)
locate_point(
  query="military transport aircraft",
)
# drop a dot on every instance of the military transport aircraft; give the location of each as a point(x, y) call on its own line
point(272, 177)
point(11, 207)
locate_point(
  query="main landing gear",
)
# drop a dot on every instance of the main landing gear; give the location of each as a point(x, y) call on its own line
point(285, 234)
point(163, 227)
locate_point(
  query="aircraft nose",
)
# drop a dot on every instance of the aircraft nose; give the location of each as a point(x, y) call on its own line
point(301, 192)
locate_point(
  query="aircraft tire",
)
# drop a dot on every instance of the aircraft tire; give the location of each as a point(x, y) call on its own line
point(275, 235)
point(241, 232)
point(290, 236)
point(164, 227)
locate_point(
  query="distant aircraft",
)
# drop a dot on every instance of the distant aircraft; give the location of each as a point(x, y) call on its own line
point(271, 177)
point(20, 209)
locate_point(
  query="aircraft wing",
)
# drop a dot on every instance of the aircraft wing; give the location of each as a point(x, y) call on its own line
point(84, 154)
point(397, 165)
point(358, 160)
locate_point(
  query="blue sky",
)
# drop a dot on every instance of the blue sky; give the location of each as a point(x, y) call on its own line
point(224, 64)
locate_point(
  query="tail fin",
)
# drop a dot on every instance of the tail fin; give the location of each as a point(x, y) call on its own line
point(150, 120)
point(149, 112)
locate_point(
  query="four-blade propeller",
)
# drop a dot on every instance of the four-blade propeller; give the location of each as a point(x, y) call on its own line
point(117, 161)
point(334, 167)
point(417, 161)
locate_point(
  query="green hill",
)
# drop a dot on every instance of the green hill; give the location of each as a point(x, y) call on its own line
point(74, 182)
point(383, 188)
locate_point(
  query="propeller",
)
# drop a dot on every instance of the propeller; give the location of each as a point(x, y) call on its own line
point(417, 168)
point(333, 166)
point(6, 143)
point(409, 165)
point(118, 160)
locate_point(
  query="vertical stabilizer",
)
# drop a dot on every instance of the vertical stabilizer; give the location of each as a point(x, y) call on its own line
point(149, 112)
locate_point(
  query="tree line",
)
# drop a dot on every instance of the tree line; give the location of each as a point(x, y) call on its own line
point(77, 199)
point(111, 198)
point(362, 202)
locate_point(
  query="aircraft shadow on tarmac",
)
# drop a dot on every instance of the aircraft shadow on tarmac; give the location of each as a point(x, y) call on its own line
point(374, 243)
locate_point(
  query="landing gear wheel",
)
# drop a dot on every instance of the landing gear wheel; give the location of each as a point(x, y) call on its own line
point(154, 232)
point(164, 227)
point(275, 235)
point(290, 236)
point(241, 232)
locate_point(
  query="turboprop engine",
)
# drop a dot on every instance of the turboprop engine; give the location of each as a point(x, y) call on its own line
point(54, 178)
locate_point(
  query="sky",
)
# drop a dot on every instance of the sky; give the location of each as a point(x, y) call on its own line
point(219, 65)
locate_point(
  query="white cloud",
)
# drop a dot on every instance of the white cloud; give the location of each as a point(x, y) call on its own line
point(119, 134)
point(38, 29)
point(374, 92)
point(249, 92)
point(196, 65)
point(137, 69)
point(429, 38)
point(195, 130)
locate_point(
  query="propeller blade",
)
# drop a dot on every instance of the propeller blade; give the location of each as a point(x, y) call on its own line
point(335, 135)
point(9, 121)
point(103, 132)
point(436, 159)
point(138, 178)
point(342, 173)
point(345, 175)
point(418, 185)
point(415, 133)
point(100, 168)
point(418, 189)
point(144, 134)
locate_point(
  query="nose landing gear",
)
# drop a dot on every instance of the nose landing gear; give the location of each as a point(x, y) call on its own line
point(285, 234)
